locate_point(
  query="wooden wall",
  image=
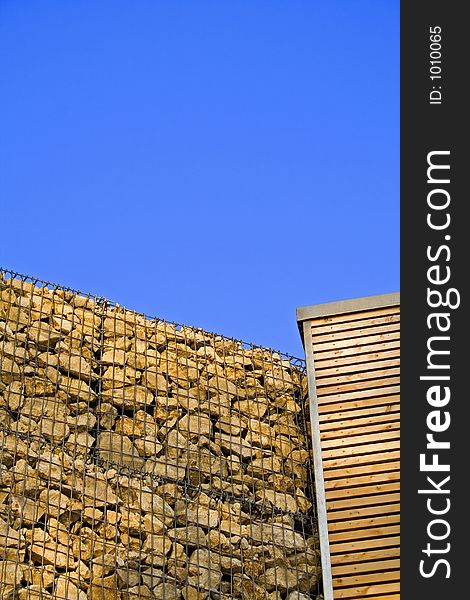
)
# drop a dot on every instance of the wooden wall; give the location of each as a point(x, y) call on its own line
point(356, 371)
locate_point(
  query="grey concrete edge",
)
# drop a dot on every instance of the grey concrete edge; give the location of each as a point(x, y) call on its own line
point(318, 466)
point(328, 309)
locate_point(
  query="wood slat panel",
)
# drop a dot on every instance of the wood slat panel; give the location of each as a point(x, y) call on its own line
point(362, 512)
point(357, 378)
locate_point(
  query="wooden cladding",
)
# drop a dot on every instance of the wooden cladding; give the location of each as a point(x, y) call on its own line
point(353, 358)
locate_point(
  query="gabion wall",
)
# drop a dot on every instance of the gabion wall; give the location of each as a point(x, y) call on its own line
point(140, 459)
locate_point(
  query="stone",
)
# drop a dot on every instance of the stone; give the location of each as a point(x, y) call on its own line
point(13, 395)
point(113, 356)
point(297, 596)
point(262, 467)
point(234, 444)
point(155, 382)
point(26, 509)
point(65, 588)
point(150, 502)
point(104, 588)
point(192, 593)
point(196, 514)
point(156, 548)
point(137, 592)
point(115, 376)
point(251, 407)
point(107, 414)
point(191, 535)
point(278, 534)
point(195, 425)
point(8, 535)
point(53, 502)
point(166, 591)
point(148, 446)
point(98, 492)
point(204, 571)
point(34, 592)
point(279, 577)
point(165, 468)
point(52, 429)
point(75, 366)
point(129, 397)
point(76, 388)
point(280, 500)
point(11, 574)
point(118, 449)
point(43, 334)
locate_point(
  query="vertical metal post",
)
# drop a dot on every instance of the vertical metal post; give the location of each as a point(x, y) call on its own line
point(317, 465)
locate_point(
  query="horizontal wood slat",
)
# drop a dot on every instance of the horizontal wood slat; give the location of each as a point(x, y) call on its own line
point(360, 376)
point(384, 542)
point(351, 334)
point(340, 353)
point(356, 367)
point(364, 523)
point(367, 417)
point(356, 440)
point(353, 461)
point(359, 385)
point(355, 359)
point(346, 482)
point(357, 377)
point(360, 398)
point(371, 555)
point(356, 316)
point(367, 567)
point(356, 343)
point(365, 592)
point(357, 324)
point(363, 449)
point(363, 511)
point(355, 492)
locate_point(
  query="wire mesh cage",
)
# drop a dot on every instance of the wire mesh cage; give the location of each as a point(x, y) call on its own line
point(140, 459)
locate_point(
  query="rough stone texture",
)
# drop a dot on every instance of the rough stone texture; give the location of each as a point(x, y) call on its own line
point(143, 460)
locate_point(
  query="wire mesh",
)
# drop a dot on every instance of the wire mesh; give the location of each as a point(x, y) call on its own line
point(144, 459)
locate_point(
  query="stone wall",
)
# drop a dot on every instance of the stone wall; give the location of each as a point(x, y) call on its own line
point(139, 459)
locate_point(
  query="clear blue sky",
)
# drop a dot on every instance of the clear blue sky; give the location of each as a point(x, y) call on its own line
point(212, 163)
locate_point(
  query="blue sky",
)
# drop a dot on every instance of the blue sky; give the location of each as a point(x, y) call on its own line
point(212, 163)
